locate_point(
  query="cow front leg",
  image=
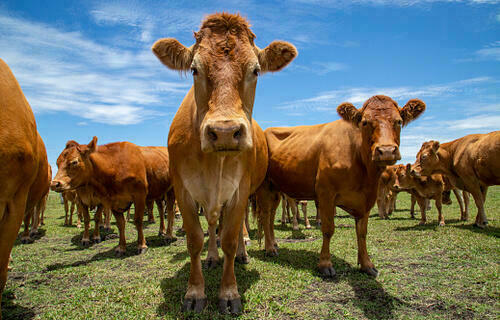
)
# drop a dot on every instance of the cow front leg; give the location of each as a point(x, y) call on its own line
point(284, 218)
point(295, 213)
point(120, 223)
point(229, 298)
point(170, 203)
point(107, 220)
point(96, 237)
point(327, 213)
point(303, 206)
point(241, 254)
point(439, 209)
point(25, 236)
point(213, 253)
point(86, 226)
point(460, 202)
point(139, 205)
point(412, 206)
point(161, 211)
point(363, 259)
point(66, 214)
point(479, 197)
point(466, 197)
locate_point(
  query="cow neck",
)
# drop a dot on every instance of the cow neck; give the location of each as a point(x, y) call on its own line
point(372, 169)
point(445, 154)
point(93, 181)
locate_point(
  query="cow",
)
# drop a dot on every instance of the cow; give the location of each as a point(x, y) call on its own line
point(472, 163)
point(160, 188)
point(289, 204)
point(22, 152)
point(70, 202)
point(386, 194)
point(338, 164)
point(39, 212)
point(218, 153)
point(112, 176)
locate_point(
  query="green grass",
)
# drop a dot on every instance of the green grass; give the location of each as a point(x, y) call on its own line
point(426, 272)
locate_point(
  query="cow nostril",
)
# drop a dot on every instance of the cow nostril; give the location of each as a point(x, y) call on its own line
point(212, 135)
point(237, 134)
point(394, 150)
point(380, 151)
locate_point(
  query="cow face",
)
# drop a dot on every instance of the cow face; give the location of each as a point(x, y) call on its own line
point(380, 121)
point(73, 166)
point(427, 159)
point(404, 179)
point(225, 64)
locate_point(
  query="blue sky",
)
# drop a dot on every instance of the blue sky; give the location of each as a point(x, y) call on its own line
point(87, 69)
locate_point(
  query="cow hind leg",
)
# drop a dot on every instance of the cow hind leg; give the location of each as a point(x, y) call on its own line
point(439, 208)
point(96, 237)
point(25, 236)
point(363, 258)
point(327, 212)
point(460, 203)
point(66, 214)
point(170, 204)
point(304, 211)
point(86, 226)
point(120, 223)
point(466, 197)
point(295, 213)
point(139, 205)
point(242, 255)
point(213, 253)
point(161, 213)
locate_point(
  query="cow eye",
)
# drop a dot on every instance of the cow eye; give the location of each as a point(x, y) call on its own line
point(73, 162)
point(194, 71)
point(398, 123)
point(364, 123)
point(424, 156)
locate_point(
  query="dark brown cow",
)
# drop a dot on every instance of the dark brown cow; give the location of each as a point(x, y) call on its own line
point(339, 164)
point(22, 152)
point(112, 176)
point(472, 163)
point(160, 187)
point(218, 152)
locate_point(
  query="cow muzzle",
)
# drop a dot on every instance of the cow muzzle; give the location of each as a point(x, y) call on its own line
point(386, 154)
point(58, 186)
point(228, 136)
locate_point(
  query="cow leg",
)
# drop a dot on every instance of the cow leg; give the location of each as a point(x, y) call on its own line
point(128, 214)
point(66, 211)
point(36, 219)
point(246, 228)
point(149, 210)
point(229, 298)
point(284, 219)
point(11, 217)
point(466, 205)
point(242, 255)
point(381, 199)
point(79, 216)
point(304, 211)
point(86, 225)
point(460, 203)
point(363, 258)
point(25, 236)
point(295, 212)
point(318, 216)
point(412, 207)
point(480, 197)
point(327, 212)
point(71, 210)
point(267, 202)
point(42, 208)
point(161, 213)
point(96, 237)
point(213, 252)
point(439, 207)
point(120, 223)
point(422, 203)
point(107, 219)
point(170, 203)
point(139, 204)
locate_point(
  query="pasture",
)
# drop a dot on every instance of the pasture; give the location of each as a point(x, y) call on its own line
point(426, 272)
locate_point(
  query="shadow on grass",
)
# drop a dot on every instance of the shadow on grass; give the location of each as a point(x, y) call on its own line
point(174, 288)
point(41, 233)
point(489, 231)
point(371, 297)
point(13, 311)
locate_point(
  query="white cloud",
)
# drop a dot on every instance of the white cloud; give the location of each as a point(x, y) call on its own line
point(491, 52)
point(399, 3)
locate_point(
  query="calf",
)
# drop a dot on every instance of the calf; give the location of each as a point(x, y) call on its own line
point(213, 140)
point(70, 201)
point(112, 176)
point(472, 163)
point(292, 205)
point(386, 194)
point(337, 163)
point(22, 152)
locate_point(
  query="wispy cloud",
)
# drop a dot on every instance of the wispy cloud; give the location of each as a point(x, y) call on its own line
point(64, 71)
point(399, 3)
point(491, 52)
point(319, 68)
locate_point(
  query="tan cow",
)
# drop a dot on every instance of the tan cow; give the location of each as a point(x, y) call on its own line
point(289, 204)
point(160, 188)
point(70, 202)
point(337, 163)
point(386, 194)
point(218, 152)
point(112, 176)
point(472, 163)
point(22, 152)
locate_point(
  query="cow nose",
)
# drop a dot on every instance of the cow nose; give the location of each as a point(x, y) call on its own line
point(54, 185)
point(225, 135)
point(387, 153)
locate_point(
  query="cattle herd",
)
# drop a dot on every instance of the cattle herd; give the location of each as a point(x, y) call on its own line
point(218, 158)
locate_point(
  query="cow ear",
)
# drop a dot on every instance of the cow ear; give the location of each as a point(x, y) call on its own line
point(349, 113)
point(434, 146)
point(92, 146)
point(408, 169)
point(71, 143)
point(276, 56)
point(173, 54)
point(412, 110)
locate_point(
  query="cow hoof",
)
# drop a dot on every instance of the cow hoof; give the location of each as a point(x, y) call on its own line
point(242, 259)
point(295, 228)
point(96, 240)
point(327, 272)
point(421, 223)
point(26, 240)
point(169, 240)
point(441, 224)
point(34, 233)
point(142, 250)
point(161, 234)
point(272, 253)
point(318, 225)
point(233, 307)
point(275, 245)
point(370, 271)
point(196, 305)
point(85, 243)
point(480, 226)
point(308, 227)
point(248, 242)
point(211, 263)
point(119, 253)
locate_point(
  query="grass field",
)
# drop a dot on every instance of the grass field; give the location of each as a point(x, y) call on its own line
point(426, 272)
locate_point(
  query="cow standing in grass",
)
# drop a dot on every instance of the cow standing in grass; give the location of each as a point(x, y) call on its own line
point(24, 169)
point(112, 176)
point(218, 153)
point(472, 163)
point(337, 163)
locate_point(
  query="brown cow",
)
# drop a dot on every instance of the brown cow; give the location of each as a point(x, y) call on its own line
point(218, 152)
point(339, 164)
point(160, 188)
point(472, 163)
point(112, 176)
point(386, 194)
point(22, 152)
point(70, 202)
point(289, 204)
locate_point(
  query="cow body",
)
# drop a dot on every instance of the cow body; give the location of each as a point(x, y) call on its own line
point(21, 151)
point(111, 176)
point(472, 163)
point(338, 164)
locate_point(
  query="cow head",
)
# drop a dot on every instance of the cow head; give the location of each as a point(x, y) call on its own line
point(73, 166)
point(225, 64)
point(380, 121)
point(427, 159)
point(404, 179)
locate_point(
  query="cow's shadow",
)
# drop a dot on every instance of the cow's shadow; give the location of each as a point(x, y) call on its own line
point(489, 230)
point(41, 233)
point(13, 311)
point(370, 296)
point(175, 286)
